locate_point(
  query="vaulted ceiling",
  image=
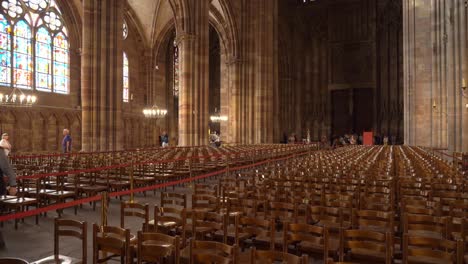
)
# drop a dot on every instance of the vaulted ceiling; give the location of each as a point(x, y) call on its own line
point(152, 15)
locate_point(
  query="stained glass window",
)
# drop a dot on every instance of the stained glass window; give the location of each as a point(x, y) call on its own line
point(125, 79)
point(5, 53)
point(176, 71)
point(25, 24)
point(22, 55)
point(61, 64)
point(43, 60)
point(125, 30)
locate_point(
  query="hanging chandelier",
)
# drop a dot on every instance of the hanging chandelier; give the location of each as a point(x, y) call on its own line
point(154, 112)
point(17, 99)
point(217, 118)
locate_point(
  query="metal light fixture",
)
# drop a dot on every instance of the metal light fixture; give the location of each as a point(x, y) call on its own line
point(217, 118)
point(17, 99)
point(154, 112)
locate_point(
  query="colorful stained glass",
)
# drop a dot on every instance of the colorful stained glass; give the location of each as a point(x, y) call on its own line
point(22, 56)
point(37, 5)
point(61, 84)
point(5, 53)
point(125, 30)
point(61, 66)
point(43, 60)
point(51, 53)
point(125, 79)
point(52, 20)
point(13, 8)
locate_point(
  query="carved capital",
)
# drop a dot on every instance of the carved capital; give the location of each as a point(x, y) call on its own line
point(184, 36)
point(233, 60)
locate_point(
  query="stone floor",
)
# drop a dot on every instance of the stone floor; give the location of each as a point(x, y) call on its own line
point(33, 242)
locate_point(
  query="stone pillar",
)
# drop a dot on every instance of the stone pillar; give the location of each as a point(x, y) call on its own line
point(235, 111)
point(101, 73)
point(193, 42)
point(434, 65)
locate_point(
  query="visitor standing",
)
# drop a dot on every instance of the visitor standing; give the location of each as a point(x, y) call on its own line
point(165, 140)
point(5, 144)
point(66, 141)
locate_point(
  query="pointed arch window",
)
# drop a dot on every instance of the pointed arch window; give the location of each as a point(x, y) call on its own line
point(125, 79)
point(34, 48)
point(5, 51)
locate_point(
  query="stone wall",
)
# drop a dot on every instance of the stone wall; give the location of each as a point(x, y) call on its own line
point(352, 47)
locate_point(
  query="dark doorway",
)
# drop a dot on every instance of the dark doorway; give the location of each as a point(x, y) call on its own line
point(352, 111)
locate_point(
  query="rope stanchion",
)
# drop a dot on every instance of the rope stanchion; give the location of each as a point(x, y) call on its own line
point(104, 208)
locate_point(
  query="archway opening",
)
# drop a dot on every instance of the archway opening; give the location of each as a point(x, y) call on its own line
point(214, 101)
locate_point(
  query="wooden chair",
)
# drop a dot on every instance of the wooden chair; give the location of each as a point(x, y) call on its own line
point(309, 239)
point(330, 217)
point(270, 256)
point(209, 252)
point(62, 228)
point(152, 247)
point(427, 250)
point(258, 231)
point(111, 240)
point(365, 246)
point(209, 225)
point(134, 209)
point(204, 203)
point(379, 221)
point(168, 220)
point(425, 225)
point(173, 199)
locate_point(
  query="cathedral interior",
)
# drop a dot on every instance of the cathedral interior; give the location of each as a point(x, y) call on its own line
point(122, 78)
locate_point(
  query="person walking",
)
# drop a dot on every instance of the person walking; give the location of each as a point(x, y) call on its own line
point(66, 141)
point(165, 139)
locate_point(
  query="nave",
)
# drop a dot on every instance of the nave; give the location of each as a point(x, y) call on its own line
point(355, 204)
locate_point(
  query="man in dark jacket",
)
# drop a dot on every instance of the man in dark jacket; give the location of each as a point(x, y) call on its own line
point(10, 188)
point(7, 170)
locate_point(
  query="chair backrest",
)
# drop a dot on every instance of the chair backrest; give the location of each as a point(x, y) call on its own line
point(369, 241)
point(282, 211)
point(170, 199)
point(111, 239)
point(208, 252)
point(315, 235)
point(154, 246)
point(168, 214)
point(323, 213)
point(438, 250)
point(71, 228)
point(255, 227)
point(425, 223)
point(205, 202)
point(211, 220)
point(371, 219)
point(271, 256)
point(417, 205)
point(134, 209)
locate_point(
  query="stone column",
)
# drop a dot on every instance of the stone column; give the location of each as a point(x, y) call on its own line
point(434, 63)
point(101, 73)
point(193, 42)
point(235, 110)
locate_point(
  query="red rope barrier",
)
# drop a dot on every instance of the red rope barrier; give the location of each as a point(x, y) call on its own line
point(66, 173)
point(142, 189)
